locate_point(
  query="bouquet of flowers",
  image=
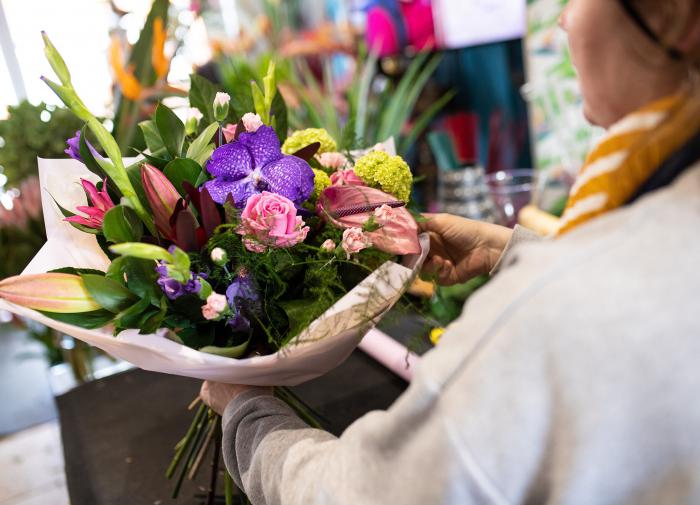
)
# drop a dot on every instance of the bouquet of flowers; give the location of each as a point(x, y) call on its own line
point(224, 239)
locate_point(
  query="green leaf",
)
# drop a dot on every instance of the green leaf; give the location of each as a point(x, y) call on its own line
point(422, 122)
point(130, 317)
point(171, 130)
point(279, 116)
point(228, 352)
point(86, 155)
point(201, 148)
point(151, 135)
point(181, 170)
point(76, 271)
point(121, 224)
point(259, 101)
point(143, 251)
point(88, 320)
point(110, 294)
point(202, 93)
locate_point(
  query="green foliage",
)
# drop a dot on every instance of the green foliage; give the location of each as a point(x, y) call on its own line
point(26, 136)
point(121, 224)
point(180, 170)
point(171, 130)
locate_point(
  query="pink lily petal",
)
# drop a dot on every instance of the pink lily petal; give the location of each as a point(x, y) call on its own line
point(399, 236)
point(84, 221)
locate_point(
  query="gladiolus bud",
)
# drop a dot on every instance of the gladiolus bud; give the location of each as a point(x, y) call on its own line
point(161, 195)
point(50, 292)
point(221, 101)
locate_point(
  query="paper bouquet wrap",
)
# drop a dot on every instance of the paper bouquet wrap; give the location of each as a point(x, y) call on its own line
point(323, 345)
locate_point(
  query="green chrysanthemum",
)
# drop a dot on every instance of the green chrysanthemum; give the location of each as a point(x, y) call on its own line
point(391, 174)
point(302, 138)
point(321, 182)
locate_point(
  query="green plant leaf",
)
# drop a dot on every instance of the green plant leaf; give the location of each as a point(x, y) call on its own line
point(88, 320)
point(280, 117)
point(121, 224)
point(422, 122)
point(130, 317)
point(180, 170)
point(235, 351)
point(201, 148)
point(110, 294)
point(152, 136)
point(171, 129)
point(202, 93)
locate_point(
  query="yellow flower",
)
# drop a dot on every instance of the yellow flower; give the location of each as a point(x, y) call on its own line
point(302, 138)
point(128, 83)
point(321, 182)
point(158, 60)
point(391, 174)
point(436, 334)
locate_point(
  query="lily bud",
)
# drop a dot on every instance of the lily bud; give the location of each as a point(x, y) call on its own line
point(221, 101)
point(162, 197)
point(50, 292)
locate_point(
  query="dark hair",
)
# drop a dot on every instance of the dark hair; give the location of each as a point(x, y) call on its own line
point(632, 10)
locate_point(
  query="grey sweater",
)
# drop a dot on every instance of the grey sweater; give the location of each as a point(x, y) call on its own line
point(573, 377)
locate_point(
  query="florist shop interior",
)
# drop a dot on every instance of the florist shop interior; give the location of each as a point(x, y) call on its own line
point(266, 251)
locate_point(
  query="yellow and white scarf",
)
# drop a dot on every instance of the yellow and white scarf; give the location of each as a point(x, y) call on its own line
point(633, 149)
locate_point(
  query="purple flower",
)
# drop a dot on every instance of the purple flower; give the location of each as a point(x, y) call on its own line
point(73, 149)
point(242, 297)
point(254, 163)
point(174, 289)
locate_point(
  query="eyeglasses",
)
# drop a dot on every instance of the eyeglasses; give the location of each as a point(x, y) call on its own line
point(633, 13)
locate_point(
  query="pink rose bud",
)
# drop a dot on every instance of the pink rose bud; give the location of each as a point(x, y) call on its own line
point(251, 122)
point(328, 246)
point(270, 220)
point(346, 178)
point(355, 240)
point(334, 161)
point(229, 131)
point(384, 214)
point(216, 304)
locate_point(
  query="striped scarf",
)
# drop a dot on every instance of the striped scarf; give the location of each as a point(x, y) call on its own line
point(633, 149)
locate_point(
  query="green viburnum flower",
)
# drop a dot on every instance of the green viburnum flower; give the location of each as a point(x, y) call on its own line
point(302, 138)
point(321, 182)
point(391, 174)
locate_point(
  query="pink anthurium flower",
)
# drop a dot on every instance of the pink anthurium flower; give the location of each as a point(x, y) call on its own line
point(353, 206)
point(100, 204)
point(50, 292)
point(162, 197)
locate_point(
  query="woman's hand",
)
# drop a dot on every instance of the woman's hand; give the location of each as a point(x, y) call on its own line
point(460, 248)
point(218, 395)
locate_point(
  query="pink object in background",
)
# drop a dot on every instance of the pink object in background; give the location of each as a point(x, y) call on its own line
point(390, 353)
point(392, 25)
point(418, 16)
point(382, 34)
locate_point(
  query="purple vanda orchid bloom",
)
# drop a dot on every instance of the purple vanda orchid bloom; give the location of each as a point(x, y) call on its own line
point(255, 163)
point(100, 204)
point(73, 149)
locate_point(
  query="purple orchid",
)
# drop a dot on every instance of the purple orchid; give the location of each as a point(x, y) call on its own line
point(254, 163)
point(73, 149)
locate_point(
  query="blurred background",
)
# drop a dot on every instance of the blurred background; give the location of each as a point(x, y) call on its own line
point(479, 96)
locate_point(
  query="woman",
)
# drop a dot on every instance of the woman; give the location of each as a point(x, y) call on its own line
point(572, 377)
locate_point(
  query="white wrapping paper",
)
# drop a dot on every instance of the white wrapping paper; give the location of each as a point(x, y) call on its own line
point(322, 346)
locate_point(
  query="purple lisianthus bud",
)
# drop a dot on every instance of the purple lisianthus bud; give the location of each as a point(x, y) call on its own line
point(171, 288)
point(239, 323)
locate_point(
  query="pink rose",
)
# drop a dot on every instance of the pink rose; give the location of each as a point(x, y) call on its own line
point(346, 178)
point(355, 240)
point(334, 161)
point(270, 220)
point(384, 214)
point(328, 246)
point(215, 305)
point(229, 131)
point(251, 122)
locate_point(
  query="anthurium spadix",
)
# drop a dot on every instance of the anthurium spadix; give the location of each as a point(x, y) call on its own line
point(49, 292)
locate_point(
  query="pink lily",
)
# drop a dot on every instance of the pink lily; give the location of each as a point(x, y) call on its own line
point(162, 197)
point(101, 203)
point(352, 206)
point(50, 292)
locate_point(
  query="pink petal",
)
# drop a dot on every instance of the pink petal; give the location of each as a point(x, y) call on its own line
point(82, 220)
point(399, 236)
point(90, 189)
